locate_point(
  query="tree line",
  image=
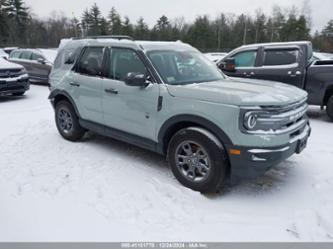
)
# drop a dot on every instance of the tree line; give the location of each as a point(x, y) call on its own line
point(20, 27)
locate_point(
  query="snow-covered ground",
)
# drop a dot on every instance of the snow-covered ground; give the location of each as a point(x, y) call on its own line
point(104, 190)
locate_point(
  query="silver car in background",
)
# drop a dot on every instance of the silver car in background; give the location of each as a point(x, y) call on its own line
point(3, 54)
point(37, 62)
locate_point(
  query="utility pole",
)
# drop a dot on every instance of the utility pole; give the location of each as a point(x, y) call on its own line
point(245, 33)
point(219, 35)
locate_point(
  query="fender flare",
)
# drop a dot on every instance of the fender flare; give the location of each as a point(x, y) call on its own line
point(200, 121)
point(327, 94)
point(61, 93)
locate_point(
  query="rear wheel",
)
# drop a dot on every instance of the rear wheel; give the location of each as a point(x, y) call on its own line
point(198, 159)
point(329, 108)
point(68, 122)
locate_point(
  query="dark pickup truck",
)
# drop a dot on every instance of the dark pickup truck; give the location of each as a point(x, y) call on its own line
point(288, 62)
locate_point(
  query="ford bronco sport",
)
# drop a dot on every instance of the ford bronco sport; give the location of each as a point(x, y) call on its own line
point(167, 97)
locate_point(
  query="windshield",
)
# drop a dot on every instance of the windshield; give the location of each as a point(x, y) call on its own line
point(184, 67)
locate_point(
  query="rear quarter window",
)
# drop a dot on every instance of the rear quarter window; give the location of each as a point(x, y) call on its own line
point(67, 57)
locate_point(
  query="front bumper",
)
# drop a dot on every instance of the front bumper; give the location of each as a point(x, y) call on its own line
point(252, 162)
point(14, 85)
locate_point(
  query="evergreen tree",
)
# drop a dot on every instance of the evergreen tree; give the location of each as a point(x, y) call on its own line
point(162, 29)
point(18, 17)
point(115, 22)
point(127, 28)
point(326, 37)
point(95, 20)
point(18, 27)
point(3, 23)
point(260, 22)
point(295, 29)
point(141, 31)
point(75, 27)
point(86, 22)
point(201, 34)
point(328, 30)
point(104, 29)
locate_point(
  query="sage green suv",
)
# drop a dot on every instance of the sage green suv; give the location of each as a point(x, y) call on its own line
point(168, 98)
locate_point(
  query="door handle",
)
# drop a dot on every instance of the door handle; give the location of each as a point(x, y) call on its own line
point(111, 91)
point(74, 84)
point(248, 74)
point(297, 73)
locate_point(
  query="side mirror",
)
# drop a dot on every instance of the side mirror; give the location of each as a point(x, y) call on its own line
point(136, 79)
point(41, 61)
point(228, 65)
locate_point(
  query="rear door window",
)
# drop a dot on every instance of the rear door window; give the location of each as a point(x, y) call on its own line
point(25, 55)
point(91, 61)
point(280, 57)
point(36, 57)
point(245, 59)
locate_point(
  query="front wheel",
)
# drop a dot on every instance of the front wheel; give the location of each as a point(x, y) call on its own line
point(198, 159)
point(68, 122)
point(329, 107)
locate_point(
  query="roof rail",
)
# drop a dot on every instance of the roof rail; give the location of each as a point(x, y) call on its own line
point(117, 37)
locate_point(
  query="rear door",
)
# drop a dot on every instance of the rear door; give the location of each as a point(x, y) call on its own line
point(39, 67)
point(85, 84)
point(22, 57)
point(245, 63)
point(282, 64)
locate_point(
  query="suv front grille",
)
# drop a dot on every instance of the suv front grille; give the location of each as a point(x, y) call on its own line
point(9, 73)
point(287, 117)
point(281, 119)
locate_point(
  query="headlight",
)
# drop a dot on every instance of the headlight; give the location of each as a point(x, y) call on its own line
point(22, 71)
point(250, 120)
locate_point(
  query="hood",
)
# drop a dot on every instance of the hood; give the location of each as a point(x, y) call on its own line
point(240, 92)
point(4, 64)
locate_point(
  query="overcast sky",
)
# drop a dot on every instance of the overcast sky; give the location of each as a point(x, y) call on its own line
point(322, 10)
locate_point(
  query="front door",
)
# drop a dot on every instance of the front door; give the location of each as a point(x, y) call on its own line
point(245, 64)
point(127, 108)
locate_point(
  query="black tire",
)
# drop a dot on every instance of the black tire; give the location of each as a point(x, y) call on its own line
point(215, 154)
point(329, 107)
point(71, 129)
point(18, 94)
